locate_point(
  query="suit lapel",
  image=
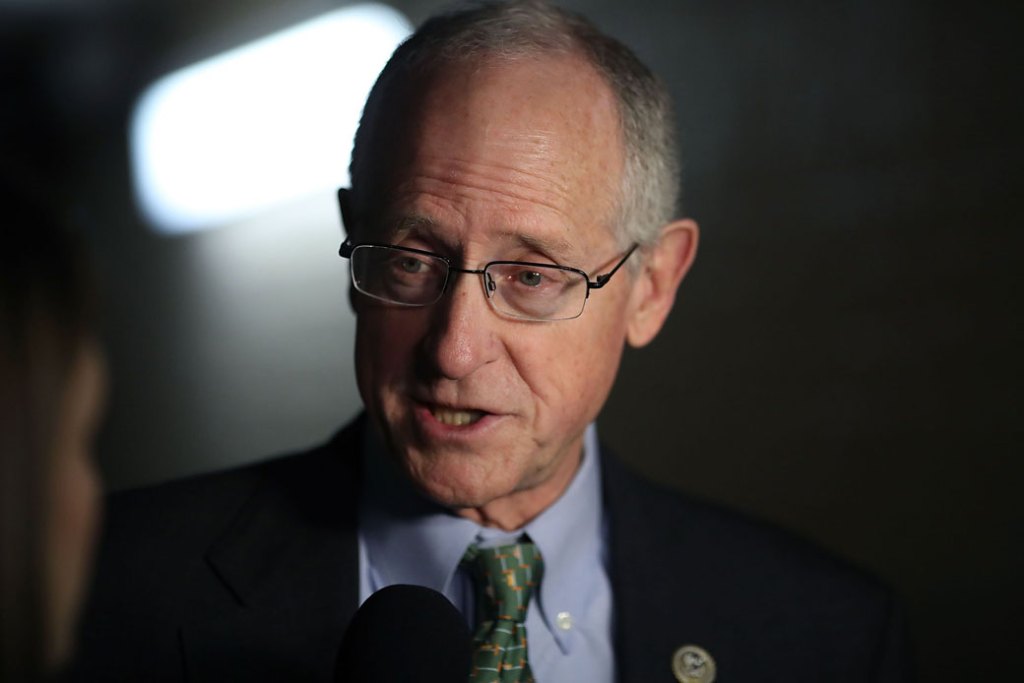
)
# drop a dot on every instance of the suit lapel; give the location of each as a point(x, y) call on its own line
point(289, 568)
point(659, 592)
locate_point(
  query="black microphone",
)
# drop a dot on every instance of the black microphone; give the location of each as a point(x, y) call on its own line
point(404, 633)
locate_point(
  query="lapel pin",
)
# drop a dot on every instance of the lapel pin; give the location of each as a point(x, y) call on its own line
point(693, 664)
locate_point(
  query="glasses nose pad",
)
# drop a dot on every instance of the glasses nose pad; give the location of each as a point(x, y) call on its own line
point(490, 284)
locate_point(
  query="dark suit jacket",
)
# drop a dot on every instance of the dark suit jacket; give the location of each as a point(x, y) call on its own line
point(252, 575)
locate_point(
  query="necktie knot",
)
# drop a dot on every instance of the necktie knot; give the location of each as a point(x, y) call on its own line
point(506, 577)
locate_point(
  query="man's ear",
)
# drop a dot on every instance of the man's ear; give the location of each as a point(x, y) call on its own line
point(655, 286)
point(345, 205)
point(353, 297)
point(347, 225)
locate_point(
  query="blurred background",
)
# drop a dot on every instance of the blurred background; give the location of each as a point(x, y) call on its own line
point(843, 359)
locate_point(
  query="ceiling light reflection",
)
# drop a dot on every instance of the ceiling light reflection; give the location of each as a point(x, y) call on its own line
point(259, 125)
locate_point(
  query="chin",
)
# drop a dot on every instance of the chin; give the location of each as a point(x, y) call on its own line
point(453, 485)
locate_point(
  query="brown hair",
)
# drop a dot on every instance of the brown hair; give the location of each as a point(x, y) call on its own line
point(45, 317)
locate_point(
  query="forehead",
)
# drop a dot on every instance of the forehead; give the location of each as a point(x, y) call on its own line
point(520, 146)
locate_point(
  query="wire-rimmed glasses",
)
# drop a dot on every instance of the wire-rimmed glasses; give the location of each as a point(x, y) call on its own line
point(517, 289)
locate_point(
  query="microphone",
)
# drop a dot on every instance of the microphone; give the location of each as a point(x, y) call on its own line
point(405, 633)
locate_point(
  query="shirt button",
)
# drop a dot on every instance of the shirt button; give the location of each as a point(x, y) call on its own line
point(564, 621)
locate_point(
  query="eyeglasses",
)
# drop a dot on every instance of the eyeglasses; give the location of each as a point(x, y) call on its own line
point(517, 289)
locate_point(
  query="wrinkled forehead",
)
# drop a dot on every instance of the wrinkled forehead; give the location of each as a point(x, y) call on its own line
point(553, 117)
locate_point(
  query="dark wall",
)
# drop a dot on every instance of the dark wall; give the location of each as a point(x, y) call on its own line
point(844, 357)
point(842, 360)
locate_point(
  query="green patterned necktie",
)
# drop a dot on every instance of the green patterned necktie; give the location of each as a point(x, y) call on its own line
point(505, 577)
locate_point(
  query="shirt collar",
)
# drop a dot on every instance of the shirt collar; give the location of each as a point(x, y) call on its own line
point(569, 536)
point(409, 539)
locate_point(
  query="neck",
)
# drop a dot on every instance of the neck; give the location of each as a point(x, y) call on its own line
point(519, 508)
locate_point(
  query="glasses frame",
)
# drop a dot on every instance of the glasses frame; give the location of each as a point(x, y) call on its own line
point(348, 247)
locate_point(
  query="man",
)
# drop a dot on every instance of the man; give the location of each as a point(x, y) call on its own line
point(510, 228)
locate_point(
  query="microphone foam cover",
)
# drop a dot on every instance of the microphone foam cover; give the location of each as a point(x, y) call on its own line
point(405, 633)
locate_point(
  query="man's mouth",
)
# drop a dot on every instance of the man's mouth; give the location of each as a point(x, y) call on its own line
point(456, 418)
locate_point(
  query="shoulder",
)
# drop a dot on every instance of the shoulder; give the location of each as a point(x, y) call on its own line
point(729, 542)
point(193, 506)
point(160, 535)
point(748, 591)
point(184, 556)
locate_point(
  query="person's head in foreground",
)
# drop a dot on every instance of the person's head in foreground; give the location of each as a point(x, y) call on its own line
point(51, 385)
point(520, 144)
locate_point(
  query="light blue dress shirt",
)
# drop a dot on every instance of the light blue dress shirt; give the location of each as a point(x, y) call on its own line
point(406, 539)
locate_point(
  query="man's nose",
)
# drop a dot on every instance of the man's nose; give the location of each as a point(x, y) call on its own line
point(462, 335)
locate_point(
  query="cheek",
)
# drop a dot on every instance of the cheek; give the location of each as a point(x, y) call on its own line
point(569, 371)
point(76, 510)
point(73, 526)
point(73, 505)
point(384, 350)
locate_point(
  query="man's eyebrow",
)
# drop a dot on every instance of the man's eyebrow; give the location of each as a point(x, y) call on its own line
point(410, 226)
point(551, 246)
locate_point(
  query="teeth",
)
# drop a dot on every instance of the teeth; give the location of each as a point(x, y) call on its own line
point(456, 418)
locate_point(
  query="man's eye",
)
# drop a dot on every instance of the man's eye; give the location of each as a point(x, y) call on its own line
point(411, 265)
point(530, 278)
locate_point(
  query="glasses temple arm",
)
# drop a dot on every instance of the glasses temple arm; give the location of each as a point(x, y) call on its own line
point(601, 280)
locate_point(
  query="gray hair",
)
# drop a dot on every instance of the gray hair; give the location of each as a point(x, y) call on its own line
point(527, 28)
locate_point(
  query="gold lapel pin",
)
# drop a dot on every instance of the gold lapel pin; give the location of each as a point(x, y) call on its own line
point(693, 664)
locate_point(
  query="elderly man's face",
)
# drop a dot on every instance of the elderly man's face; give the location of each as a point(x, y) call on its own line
point(509, 161)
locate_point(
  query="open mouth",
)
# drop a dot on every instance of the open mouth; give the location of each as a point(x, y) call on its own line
point(456, 418)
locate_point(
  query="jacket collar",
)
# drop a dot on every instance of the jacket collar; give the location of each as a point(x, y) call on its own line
point(649, 579)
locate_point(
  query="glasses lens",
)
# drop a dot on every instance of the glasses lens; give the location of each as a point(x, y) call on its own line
point(397, 275)
point(536, 292)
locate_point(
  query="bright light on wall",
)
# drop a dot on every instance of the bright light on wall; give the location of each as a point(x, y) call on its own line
point(263, 124)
